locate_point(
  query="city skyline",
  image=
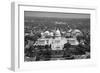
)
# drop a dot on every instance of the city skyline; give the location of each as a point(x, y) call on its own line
point(55, 15)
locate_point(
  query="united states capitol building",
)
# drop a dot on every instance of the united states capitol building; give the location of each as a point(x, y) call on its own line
point(57, 40)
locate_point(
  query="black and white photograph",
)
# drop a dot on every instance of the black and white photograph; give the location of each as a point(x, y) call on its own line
point(51, 36)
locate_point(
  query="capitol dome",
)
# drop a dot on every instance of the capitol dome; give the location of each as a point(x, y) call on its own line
point(58, 32)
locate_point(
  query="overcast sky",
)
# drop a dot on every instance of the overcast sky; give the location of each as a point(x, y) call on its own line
point(54, 14)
